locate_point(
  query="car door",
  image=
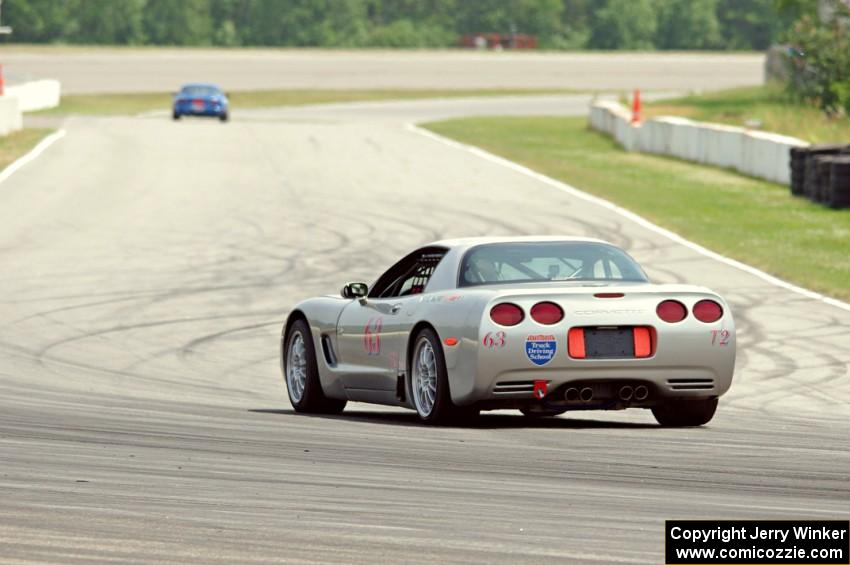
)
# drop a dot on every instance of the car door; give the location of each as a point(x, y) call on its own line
point(372, 332)
point(366, 351)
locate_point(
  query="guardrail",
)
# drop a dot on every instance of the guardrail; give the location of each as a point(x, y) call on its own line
point(36, 95)
point(755, 153)
point(10, 115)
point(26, 97)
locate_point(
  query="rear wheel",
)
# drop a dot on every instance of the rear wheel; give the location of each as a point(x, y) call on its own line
point(429, 383)
point(175, 116)
point(302, 374)
point(224, 117)
point(684, 413)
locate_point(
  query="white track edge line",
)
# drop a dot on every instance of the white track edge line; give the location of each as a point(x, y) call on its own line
point(640, 220)
point(32, 154)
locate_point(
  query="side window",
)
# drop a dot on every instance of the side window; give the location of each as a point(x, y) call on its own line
point(606, 269)
point(415, 281)
point(410, 275)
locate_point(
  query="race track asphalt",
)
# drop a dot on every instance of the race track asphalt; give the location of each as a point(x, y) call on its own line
point(109, 69)
point(148, 266)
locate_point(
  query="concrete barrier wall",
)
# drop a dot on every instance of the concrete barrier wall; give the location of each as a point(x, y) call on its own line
point(755, 153)
point(35, 95)
point(10, 115)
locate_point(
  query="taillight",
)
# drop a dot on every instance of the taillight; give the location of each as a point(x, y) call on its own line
point(506, 314)
point(547, 313)
point(671, 311)
point(575, 343)
point(708, 311)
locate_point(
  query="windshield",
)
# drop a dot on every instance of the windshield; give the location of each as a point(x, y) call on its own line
point(199, 90)
point(505, 263)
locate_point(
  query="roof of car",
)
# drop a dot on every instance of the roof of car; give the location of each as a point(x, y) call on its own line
point(467, 242)
point(200, 84)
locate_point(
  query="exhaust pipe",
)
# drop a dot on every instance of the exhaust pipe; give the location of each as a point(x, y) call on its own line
point(572, 394)
point(641, 393)
point(586, 394)
point(626, 393)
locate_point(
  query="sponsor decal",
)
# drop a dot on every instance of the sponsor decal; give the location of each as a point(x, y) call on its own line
point(392, 360)
point(372, 336)
point(444, 298)
point(494, 340)
point(540, 348)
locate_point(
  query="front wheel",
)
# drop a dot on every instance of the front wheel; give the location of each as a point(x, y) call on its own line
point(685, 413)
point(429, 383)
point(224, 117)
point(302, 374)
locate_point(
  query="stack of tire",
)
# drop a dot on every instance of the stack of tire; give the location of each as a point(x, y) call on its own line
point(822, 174)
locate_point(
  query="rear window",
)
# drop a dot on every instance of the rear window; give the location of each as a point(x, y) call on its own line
point(506, 263)
point(196, 90)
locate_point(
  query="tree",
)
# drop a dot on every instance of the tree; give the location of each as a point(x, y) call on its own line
point(684, 24)
point(821, 65)
point(623, 24)
point(37, 21)
point(185, 22)
point(107, 21)
point(749, 24)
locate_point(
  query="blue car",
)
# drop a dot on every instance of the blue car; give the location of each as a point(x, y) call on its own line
point(201, 100)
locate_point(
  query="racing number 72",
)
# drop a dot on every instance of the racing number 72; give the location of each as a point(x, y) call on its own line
point(720, 337)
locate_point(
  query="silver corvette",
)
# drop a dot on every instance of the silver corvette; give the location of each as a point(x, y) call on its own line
point(539, 324)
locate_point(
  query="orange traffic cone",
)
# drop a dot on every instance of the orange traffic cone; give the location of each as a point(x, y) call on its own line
point(636, 107)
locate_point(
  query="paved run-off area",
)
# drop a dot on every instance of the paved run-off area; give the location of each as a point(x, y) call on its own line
point(110, 69)
point(148, 265)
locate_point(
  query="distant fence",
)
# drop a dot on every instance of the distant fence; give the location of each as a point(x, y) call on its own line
point(758, 154)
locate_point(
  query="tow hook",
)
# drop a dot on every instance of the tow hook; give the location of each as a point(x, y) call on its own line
point(541, 389)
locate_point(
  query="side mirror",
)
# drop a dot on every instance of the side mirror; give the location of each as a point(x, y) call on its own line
point(355, 290)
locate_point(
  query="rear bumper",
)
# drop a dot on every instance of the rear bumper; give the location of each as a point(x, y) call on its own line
point(686, 363)
point(211, 112)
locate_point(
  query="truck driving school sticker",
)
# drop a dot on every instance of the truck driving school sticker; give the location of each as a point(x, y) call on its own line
point(540, 348)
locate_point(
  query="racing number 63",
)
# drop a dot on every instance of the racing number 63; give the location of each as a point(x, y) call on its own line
point(494, 339)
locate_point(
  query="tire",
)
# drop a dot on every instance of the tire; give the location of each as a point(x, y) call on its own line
point(685, 413)
point(528, 413)
point(301, 374)
point(429, 383)
point(224, 117)
point(175, 116)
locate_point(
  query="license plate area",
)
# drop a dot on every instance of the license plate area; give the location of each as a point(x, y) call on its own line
point(197, 104)
point(609, 343)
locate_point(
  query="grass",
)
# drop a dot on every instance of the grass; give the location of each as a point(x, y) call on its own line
point(18, 143)
point(767, 105)
point(134, 103)
point(754, 221)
